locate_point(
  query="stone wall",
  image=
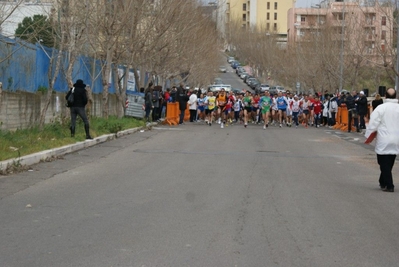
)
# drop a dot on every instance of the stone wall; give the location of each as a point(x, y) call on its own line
point(20, 110)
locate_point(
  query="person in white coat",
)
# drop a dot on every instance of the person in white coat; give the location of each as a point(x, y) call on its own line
point(192, 102)
point(384, 120)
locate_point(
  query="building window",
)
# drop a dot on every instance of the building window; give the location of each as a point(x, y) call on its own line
point(275, 16)
point(268, 5)
point(244, 7)
point(340, 16)
point(244, 17)
point(275, 27)
point(383, 35)
point(384, 21)
point(303, 19)
point(275, 5)
point(268, 16)
point(268, 26)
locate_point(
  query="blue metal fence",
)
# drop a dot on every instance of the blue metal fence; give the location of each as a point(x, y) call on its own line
point(24, 67)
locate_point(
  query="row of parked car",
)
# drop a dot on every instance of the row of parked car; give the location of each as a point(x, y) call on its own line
point(252, 81)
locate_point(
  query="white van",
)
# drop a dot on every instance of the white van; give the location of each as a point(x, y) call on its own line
point(217, 87)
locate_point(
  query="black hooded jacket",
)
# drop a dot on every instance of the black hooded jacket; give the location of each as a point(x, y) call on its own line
point(80, 96)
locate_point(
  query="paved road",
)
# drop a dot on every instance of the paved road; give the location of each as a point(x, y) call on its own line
point(195, 195)
point(203, 196)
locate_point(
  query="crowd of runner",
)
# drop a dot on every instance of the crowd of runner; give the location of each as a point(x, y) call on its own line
point(279, 110)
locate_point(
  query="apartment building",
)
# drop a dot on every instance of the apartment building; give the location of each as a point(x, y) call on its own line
point(267, 15)
point(366, 28)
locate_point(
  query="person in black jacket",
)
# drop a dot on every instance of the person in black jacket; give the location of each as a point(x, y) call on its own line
point(182, 98)
point(78, 107)
point(377, 101)
point(350, 102)
point(362, 106)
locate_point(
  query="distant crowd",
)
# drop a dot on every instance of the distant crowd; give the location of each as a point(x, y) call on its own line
point(268, 109)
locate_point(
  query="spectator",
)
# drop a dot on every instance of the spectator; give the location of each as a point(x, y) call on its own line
point(362, 107)
point(183, 98)
point(155, 101)
point(377, 101)
point(78, 107)
point(149, 105)
point(385, 122)
point(192, 102)
point(352, 111)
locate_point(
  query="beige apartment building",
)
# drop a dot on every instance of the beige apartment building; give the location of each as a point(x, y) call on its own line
point(361, 28)
point(267, 15)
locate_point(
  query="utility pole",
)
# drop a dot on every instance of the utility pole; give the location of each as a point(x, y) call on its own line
point(341, 56)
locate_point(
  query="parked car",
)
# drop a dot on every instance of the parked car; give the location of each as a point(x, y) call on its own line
point(261, 88)
point(276, 89)
point(243, 75)
point(238, 91)
point(247, 77)
point(239, 70)
point(251, 80)
point(235, 64)
point(230, 59)
point(218, 81)
point(223, 69)
point(254, 84)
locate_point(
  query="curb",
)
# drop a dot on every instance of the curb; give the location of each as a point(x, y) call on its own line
point(60, 151)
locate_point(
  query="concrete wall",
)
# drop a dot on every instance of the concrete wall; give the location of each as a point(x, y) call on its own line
point(20, 110)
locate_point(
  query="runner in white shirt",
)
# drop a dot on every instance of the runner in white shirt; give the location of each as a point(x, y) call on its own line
point(289, 111)
point(274, 110)
point(295, 106)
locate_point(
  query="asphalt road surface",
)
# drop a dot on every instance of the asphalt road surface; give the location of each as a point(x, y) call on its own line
point(195, 195)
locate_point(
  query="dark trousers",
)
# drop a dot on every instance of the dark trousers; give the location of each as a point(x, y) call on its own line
point(295, 117)
point(352, 113)
point(148, 109)
point(362, 121)
point(386, 163)
point(81, 112)
point(317, 119)
point(331, 120)
point(193, 115)
point(181, 116)
point(155, 113)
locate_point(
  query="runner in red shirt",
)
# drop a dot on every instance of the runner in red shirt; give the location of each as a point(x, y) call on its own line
point(317, 109)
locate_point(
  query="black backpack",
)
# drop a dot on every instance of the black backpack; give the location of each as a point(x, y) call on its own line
point(71, 99)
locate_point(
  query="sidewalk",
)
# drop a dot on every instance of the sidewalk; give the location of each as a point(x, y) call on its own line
point(60, 151)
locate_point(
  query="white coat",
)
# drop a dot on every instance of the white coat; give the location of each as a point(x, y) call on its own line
point(385, 121)
point(192, 101)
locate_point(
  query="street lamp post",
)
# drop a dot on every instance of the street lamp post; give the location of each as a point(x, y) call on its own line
point(297, 84)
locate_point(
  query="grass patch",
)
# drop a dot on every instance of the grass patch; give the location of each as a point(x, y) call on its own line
point(24, 142)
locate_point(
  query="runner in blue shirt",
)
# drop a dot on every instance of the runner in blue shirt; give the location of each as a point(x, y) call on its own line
point(282, 103)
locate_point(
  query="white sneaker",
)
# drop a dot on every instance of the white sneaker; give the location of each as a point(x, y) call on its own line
point(280, 125)
point(222, 125)
point(219, 121)
point(264, 127)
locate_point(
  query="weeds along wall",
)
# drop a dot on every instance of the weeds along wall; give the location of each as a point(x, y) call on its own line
point(21, 110)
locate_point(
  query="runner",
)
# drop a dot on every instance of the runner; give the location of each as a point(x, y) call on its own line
point(311, 102)
point(255, 108)
point(282, 107)
point(274, 109)
point(317, 108)
point(305, 110)
point(227, 110)
point(201, 107)
point(238, 108)
point(210, 102)
point(247, 107)
point(289, 111)
point(265, 104)
point(295, 106)
point(221, 101)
